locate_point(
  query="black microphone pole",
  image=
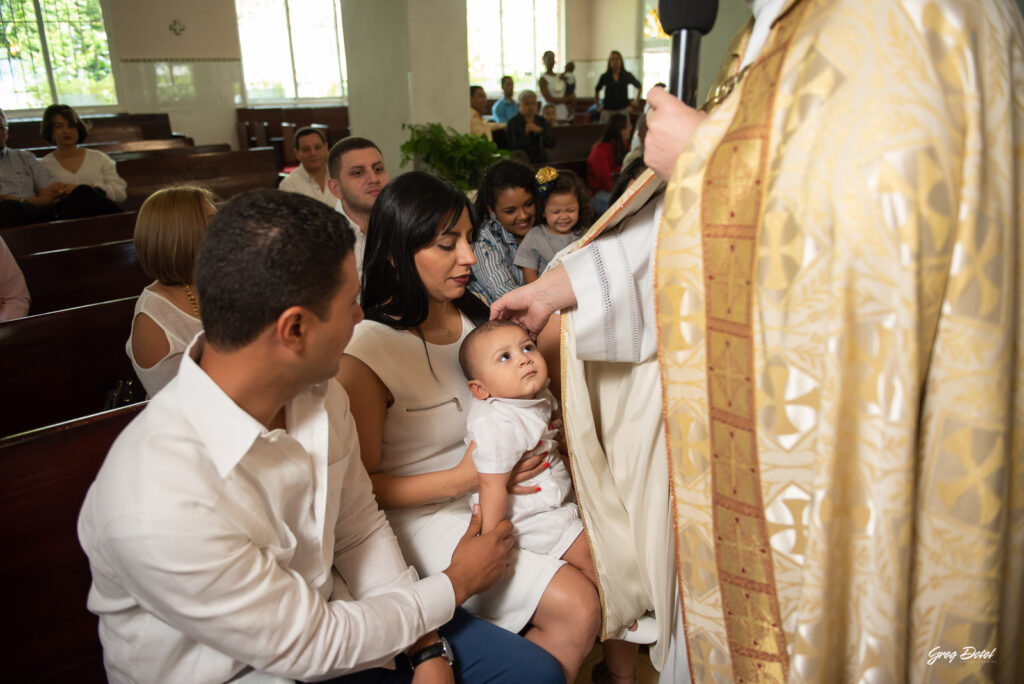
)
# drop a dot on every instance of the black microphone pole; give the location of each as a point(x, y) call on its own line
point(686, 21)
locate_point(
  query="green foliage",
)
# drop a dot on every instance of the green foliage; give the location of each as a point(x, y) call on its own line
point(460, 157)
point(79, 56)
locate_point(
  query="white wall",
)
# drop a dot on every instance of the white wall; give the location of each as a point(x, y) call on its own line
point(206, 59)
point(406, 64)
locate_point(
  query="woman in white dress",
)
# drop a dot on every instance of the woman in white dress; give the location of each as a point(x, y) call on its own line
point(410, 399)
point(170, 226)
point(93, 175)
point(552, 88)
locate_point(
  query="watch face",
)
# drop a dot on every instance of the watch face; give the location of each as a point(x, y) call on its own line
point(448, 653)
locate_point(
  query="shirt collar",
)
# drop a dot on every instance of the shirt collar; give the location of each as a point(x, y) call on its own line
point(224, 427)
point(498, 231)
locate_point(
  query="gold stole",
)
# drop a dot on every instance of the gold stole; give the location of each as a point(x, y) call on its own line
point(731, 202)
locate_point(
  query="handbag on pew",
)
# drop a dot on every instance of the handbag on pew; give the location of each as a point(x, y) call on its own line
point(126, 392)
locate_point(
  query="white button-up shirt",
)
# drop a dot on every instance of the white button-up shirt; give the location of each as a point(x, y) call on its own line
point(221, 549)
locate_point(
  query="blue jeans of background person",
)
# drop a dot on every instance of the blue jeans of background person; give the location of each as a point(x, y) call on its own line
point(483, 653)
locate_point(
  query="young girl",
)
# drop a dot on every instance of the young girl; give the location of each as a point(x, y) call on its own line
point(564, 208)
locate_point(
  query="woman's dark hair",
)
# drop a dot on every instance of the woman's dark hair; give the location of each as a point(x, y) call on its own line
point(622, 62)
point(406, 216)
point(500, 176)
point(613, 133)
point(568, 183)
point(46, 129)
point(628, 174)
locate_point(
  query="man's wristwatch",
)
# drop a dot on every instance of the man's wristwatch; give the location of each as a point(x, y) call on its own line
point(437, 649)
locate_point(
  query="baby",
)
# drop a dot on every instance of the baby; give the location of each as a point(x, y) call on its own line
point(550, 114)
point(509, 378)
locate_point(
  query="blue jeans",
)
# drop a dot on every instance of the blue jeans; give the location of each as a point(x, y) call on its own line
point(483, 653)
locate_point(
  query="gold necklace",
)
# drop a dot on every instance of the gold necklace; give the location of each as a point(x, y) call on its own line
point(192, 300)
point(451, 333)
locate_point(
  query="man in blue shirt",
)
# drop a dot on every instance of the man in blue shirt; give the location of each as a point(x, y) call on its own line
point(505, 108)
point(27, 189)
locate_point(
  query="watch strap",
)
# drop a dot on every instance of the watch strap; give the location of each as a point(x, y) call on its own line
point(438, 649)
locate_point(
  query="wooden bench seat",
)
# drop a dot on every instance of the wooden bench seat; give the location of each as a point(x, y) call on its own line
point(45, 237)
point(49, 635)
point(102, 128)
point(65, 278)
point(59, 366)
point(225, 173)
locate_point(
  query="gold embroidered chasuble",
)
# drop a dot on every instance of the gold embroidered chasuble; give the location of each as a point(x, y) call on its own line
point(838, 305)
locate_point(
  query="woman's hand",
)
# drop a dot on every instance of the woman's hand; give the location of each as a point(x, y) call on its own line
point(529, 466)
point(531, 305)
point(670, 123)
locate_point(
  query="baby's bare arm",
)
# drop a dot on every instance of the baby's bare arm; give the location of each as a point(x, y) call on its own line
point(493, 499)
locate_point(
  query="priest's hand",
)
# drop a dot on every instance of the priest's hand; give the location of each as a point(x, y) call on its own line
point(531, 305)
point(670, 123)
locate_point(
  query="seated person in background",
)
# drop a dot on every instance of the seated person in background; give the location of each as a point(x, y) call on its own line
point(14, 298)
point(310, 179)
point(549, 113)
point(97, 189)
point(27, 188)
point(505, 108)
point(565, 215)
point(477, 110)
point(232, 532)
point(528, 131)
point(508, 419)
point(170, 226)
point(605, 160)
point(507, 211)
point(357, 177)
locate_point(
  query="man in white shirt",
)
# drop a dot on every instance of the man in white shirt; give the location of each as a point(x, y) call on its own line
point(358, 175)
point(310, 179)
point(232, 532)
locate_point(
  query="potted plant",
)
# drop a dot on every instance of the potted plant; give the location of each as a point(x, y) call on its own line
point(460, 157)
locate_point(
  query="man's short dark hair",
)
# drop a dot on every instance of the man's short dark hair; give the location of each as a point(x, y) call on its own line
point(473, 89)
point(265, 251)
point(308, 130)
point(344, 146)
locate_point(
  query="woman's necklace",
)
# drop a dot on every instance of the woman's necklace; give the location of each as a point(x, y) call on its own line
point(192, 302)
point(451, 333)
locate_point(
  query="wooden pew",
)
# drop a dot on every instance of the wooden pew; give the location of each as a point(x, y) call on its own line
point(127, 154)
point(178, 142)
point(65, 278)
point(49, 635)
point(572, 143)
point(225, 173)
point(44, 237)
point(103, 128)
point(59, 366)
point(261, 125)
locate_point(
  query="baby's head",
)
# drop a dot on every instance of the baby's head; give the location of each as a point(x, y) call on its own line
point(500, 360)
point(570, 67)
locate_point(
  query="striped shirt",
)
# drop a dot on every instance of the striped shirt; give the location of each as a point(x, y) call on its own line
point(494, 273)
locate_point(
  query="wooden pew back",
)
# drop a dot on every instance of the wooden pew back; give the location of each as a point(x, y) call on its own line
point(102, 128)
point(44, 237)
point(177, 142)
point(225, 173)
point(48, 632)
point(66, 278)
point(60, 366)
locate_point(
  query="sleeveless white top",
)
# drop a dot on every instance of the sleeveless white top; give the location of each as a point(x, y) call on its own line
point(423, 432)
point(556, 86)
point(180, 329)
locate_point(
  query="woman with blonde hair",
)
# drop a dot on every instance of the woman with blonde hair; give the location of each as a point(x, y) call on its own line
point(170, 227)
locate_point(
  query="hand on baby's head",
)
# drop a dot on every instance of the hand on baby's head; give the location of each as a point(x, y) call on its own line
point(499, 359)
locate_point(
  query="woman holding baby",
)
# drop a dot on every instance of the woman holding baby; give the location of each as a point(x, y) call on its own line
point(410, 402)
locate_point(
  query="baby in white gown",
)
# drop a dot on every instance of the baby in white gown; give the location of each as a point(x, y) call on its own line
point(509, 419)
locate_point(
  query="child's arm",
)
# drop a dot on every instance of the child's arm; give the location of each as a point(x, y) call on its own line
point(529, 274)
point(493, 499)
